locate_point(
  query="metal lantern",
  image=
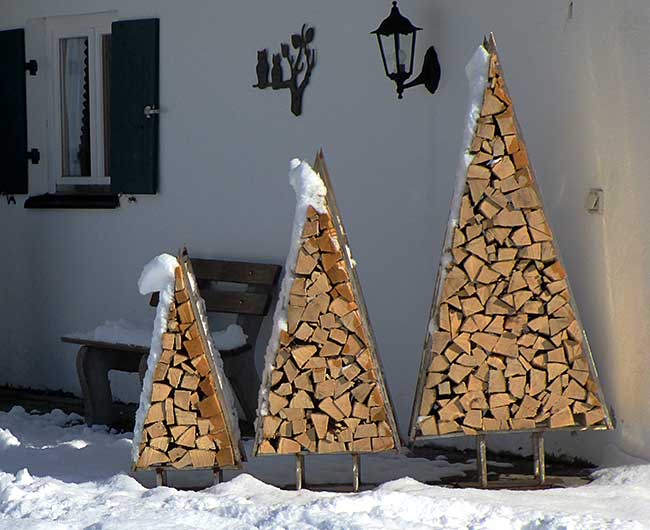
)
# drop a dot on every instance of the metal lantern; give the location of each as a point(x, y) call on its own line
point(398, 30)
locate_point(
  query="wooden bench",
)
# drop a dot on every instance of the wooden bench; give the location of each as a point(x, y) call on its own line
point(95, 358)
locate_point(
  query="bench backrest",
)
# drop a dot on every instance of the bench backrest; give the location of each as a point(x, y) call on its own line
point(251, 304)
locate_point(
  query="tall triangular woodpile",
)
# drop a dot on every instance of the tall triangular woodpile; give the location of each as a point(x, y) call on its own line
point(505, 349)
point(323, 388)
point(189, 422)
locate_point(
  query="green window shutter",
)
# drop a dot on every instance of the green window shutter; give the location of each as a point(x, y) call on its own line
point(133, 86)
point(13, 113)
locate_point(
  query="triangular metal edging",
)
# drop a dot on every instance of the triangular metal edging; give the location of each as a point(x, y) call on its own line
point(489, 44)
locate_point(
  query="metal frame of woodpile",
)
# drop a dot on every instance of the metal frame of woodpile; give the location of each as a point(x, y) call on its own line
point(506, 351)
point(324, 392)
point(189, 423)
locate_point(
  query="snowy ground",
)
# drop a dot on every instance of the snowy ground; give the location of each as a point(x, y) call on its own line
point(59, 474)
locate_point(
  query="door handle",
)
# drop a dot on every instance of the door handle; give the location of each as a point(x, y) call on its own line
point(150, 110)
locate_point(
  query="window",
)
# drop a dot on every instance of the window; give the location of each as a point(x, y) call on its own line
point(90, 136)
point(79, 121)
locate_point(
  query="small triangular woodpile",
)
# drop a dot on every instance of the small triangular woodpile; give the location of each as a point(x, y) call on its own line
point(324, 392)
point(188, 423)
point(505, 351)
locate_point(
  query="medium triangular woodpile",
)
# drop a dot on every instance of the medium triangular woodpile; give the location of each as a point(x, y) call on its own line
point(188, 423)
point(324, 392)
point(505, 351)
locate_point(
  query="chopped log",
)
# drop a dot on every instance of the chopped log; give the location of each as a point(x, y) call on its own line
point(151, 457)
point(593, 416)
point(537, 381)
point(190, 382)
point(338, 335)
point(458, 373)
point(301, 400)
point(330, 349)
point(288, 446)
point(328, 407)
point(182, 399)
point(516, 386)
point(509, 218)
point(210, 406)
point(193, 347)
point(575, 391)
point(185, 417)
point(201, 458)
point(155, 413)
point(563, 418)
point(160, 444)
point(492, 105)
point(485, 130)
point(496, 382)
point(382, 443)
point(472, 266)
point(305, 263)
point(185, 313)
point(504, 168)
point(428, 426)
point(302, 354)
point(344, 404)
point(506, 345)
point(276, 403)
point(365, 430)
point(160, 392)
point(188, 438)
point(270, 425)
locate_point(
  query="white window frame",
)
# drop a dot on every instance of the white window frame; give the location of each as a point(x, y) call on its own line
point(94, 27)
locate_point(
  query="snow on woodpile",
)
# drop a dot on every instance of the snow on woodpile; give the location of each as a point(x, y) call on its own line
point(157, 276)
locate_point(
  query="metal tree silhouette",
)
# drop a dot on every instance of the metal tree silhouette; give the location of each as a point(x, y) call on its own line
point(300, 67)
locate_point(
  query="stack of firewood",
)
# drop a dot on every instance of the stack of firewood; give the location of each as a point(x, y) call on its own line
point(506, 350)
point(185, 424)
point(325, 394)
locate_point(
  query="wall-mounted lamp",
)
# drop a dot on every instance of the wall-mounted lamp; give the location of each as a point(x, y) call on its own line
point(392, 27)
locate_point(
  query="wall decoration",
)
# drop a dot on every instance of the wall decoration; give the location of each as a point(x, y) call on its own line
point(395, 65)
point(303, 64)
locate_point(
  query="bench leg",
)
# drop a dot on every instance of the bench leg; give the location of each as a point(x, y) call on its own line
point(92, 370)
point(242, 374)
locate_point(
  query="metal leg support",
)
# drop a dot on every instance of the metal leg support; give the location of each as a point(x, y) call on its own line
point(356, 472)
point(540, 457)
point(481, 461)
point(161, 477)
point(217, 475)
point(300, 471)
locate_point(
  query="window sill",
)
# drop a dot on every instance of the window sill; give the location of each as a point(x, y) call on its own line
point(73, 201)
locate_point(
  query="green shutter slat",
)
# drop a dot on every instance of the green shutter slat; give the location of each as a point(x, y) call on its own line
point(13, 113)
point(133, 86)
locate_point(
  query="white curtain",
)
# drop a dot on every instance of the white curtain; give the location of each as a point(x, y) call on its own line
point(72, 94)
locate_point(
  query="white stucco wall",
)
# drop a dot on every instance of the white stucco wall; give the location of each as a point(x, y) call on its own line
point(580, 89)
